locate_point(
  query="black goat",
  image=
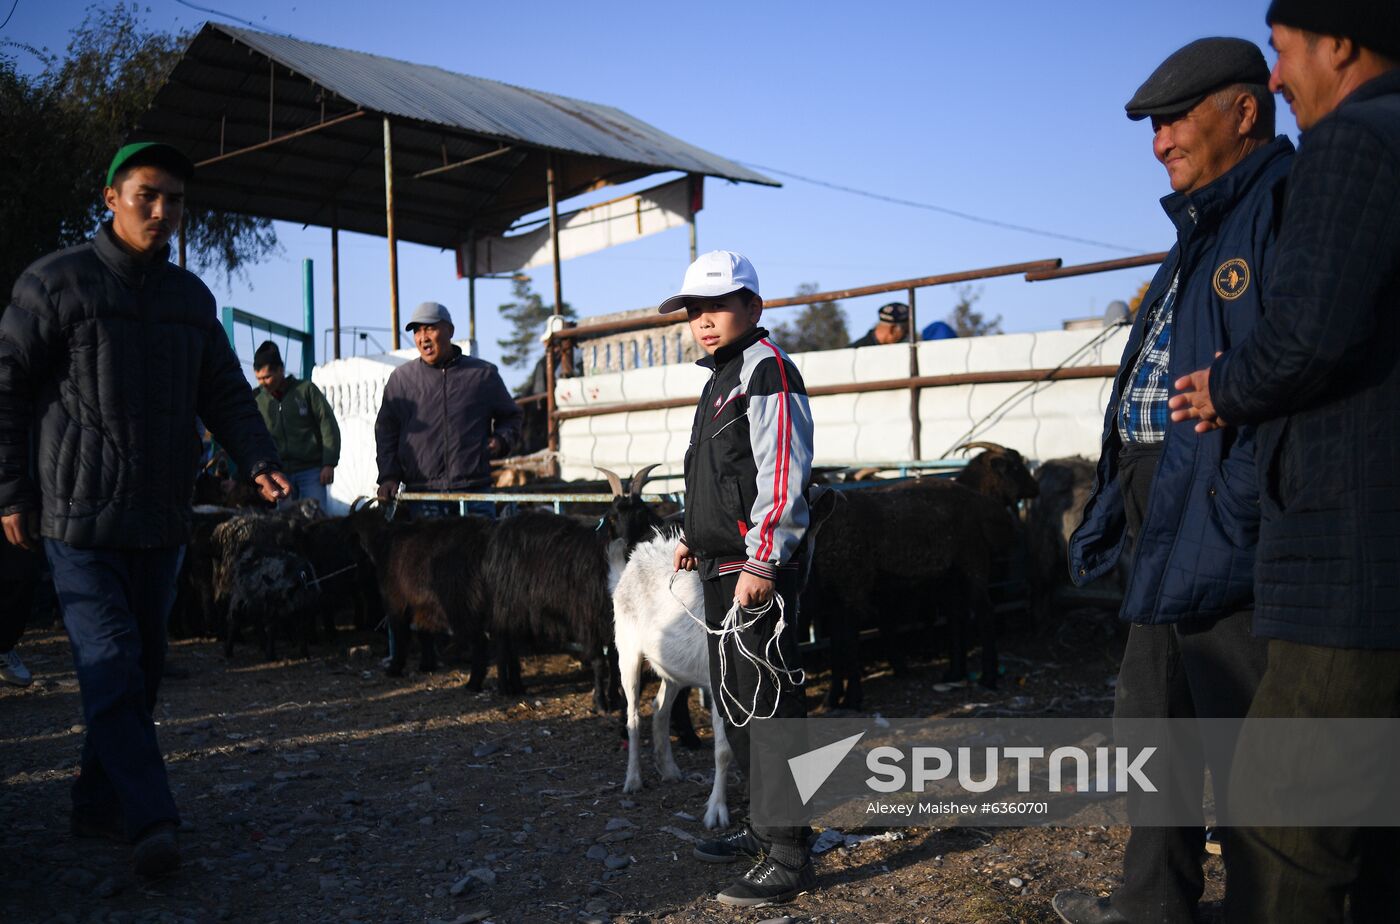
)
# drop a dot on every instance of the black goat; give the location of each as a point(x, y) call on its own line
point(916, 540)
point(545, 582)
point(1051, 519)
point(196, 612)
point(270, 589)
point(262, 580)
point(344, 574)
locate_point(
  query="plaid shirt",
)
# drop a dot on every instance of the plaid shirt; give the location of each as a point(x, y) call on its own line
point(1142, 411)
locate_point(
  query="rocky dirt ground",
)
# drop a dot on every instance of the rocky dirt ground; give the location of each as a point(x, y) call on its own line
point(321, 790)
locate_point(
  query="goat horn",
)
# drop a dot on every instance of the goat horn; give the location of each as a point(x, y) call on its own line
point(614, 481)
point(639, 480)
point(981, 444)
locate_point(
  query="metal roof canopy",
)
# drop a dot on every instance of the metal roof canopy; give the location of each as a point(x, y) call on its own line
point(297, 131)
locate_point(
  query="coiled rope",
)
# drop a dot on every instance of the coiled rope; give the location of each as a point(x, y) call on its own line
point(738, 620)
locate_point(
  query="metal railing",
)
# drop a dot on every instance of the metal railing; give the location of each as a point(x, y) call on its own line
point(1032, 271)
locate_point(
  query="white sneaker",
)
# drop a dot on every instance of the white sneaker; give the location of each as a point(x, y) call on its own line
point(12, 670)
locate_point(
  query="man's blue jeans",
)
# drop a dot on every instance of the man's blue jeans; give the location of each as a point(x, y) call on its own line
point(307, 484)
point(115, 605)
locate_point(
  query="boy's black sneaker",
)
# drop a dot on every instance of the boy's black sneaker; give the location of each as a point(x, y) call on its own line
point(739, 844)
point(770, 882)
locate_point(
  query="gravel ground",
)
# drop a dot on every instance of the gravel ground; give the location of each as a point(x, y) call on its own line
point(321, 790)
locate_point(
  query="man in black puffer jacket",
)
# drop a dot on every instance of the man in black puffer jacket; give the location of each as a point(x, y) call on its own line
point(1320, 377)
point(107, 353)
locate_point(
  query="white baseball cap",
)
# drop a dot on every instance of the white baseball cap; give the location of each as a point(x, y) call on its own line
point(714, 275)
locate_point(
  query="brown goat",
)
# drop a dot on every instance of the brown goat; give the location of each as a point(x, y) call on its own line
point(428, 581)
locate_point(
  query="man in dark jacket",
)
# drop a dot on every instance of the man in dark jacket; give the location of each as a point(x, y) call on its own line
point(107, 353)
point(1186, 509)
point(444, 415)
point(1320, 378)
point(892, 326)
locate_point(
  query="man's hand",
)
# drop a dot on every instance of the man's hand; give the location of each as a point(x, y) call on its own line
point(752, 590)
point(1194, 401)
point(327, 474)
point(388, 490)
point(273, 485)
point(683, 560)
point(22, 529)
point(496, 447)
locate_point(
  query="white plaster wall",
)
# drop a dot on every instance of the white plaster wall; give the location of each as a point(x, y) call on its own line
point(1042, 420)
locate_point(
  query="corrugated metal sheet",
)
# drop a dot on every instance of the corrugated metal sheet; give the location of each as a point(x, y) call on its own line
point(487, 107)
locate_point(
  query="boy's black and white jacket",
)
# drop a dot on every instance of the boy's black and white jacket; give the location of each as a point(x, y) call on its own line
point(749, 461)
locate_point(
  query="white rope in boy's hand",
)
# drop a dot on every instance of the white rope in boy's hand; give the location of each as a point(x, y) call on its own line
point(736, 621)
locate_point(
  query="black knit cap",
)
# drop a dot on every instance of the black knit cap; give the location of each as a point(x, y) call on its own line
point(267, 355)
point(1373, 24)
point(1195, 71)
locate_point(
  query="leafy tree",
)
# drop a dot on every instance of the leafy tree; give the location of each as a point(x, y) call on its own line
point(970, 323)
point(527, 314)
point(818, 326)
point(1136, 302)
point(61, 128)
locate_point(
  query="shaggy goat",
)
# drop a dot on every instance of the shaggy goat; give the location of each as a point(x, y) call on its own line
point(260, 578)
point(650, 622)
point(544, 579)
point(270, 590)
point(910, 537)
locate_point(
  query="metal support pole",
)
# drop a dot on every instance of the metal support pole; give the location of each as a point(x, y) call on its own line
point(553, 425)
point(915, 425)
point(694, 243)
point(308, 319)
point(335, 283)
point(389, 229)
point(471, 290)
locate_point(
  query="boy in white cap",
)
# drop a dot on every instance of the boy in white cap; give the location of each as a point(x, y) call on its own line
point(749, 461)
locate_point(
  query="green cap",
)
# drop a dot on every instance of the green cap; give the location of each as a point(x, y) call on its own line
point(140, 153)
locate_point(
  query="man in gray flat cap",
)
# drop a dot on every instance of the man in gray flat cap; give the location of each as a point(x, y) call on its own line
point(1186, 510)
point(1320, 379)
point(444, 416)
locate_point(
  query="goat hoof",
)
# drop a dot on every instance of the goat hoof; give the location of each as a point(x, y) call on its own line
point(631, 785)
point(717, 816)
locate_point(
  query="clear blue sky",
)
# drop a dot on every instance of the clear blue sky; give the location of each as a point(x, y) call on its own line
point(1011, 111)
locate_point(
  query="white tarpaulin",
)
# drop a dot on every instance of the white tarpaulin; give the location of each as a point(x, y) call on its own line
point(588, 230)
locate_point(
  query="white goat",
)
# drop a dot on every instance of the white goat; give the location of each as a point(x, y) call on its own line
point(650, 621)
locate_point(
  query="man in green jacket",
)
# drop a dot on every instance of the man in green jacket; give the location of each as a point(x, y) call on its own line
point(301, 423)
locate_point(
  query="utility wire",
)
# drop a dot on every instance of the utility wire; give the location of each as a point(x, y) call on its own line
point(946, 211)
point(238, 19)
point(13, 6)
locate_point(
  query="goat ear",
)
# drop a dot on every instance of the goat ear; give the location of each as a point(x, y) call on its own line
point(614, 480)
point(639, 480)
